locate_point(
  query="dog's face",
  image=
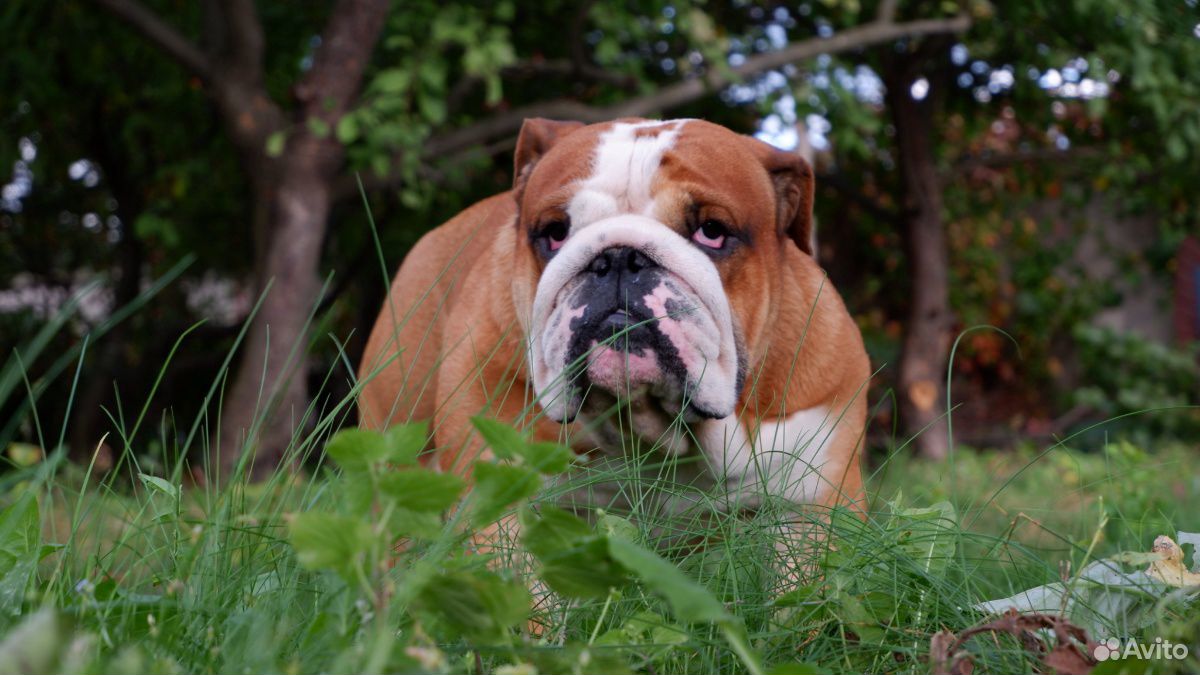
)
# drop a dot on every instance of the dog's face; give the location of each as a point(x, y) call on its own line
point(647, 258)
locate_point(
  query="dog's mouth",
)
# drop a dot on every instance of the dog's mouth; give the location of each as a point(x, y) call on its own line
point(625, 356)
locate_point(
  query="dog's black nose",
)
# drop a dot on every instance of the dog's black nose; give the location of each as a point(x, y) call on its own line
point(620, 259)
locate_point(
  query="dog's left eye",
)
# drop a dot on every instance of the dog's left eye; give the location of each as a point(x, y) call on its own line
point(711, 234)
point(553, 235)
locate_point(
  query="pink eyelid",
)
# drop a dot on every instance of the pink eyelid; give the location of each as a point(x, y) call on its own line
point(712, 242)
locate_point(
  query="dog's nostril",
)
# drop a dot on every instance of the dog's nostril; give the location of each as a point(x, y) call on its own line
point(601, 264)
point(637, 261)
point(621, 258)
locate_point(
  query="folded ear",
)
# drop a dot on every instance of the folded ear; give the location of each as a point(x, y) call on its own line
point(537, 136)
point(794, 185)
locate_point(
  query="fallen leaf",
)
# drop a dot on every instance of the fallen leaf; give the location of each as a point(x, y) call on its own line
point(1103, 598)
point(1071, 653)
point(1170, 569)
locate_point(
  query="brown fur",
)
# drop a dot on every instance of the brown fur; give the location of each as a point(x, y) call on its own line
point(448, 345)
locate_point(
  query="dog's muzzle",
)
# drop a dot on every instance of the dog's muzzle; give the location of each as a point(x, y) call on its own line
point(631, 308)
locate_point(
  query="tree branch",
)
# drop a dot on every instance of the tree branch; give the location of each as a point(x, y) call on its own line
point(346, 45)
point(240, 42)
point(668, 97)
point(161, 34)
point(886, 12)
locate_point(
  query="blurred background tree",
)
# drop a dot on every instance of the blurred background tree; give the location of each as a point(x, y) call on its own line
point(1026, 165)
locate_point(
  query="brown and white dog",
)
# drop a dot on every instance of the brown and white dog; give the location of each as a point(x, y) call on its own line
point(658, 267)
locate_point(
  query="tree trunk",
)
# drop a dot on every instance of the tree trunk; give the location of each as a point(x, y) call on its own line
point(269, 396)
point(923, 358)
point(267, 400)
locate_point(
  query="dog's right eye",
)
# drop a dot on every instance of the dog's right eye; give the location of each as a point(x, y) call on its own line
point(555, 234)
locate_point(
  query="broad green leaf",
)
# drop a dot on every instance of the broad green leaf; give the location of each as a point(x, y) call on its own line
point(433, 107)
point(406, 441)
point(160, 485)
point(357, 449)
point(504, 441)
point(318, 127)
point(498, 486)
point(328, 541)
point(392, 81)
point(275, 143)
point(479, 604)
point(575, 559)
point(548, 458)
point(417, 524)
point(421, 489)
point(689, 600)
point(347, 129)
point(928, 535)
point(621, 528)
point(20, 550)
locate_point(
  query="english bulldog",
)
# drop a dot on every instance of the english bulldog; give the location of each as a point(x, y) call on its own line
point(660, 269)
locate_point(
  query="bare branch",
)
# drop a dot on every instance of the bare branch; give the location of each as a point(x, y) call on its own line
point(162, 34)
point(886, 13)
point(346, 45)
point(671, 96)
point(240, 43)
point(1002, 160)
point(562, 68)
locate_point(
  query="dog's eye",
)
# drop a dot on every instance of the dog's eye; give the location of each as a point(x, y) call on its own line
point(555, 233)
point(711, 234)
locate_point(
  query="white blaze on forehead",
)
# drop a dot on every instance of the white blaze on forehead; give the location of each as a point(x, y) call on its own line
point(623, 167)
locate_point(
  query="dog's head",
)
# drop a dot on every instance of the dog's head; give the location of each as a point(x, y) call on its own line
point(647, 258)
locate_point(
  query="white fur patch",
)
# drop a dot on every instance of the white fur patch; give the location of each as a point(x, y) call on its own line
point(787, 457)
point(623, 169)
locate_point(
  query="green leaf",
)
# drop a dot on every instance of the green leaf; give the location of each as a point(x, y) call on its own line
point(417, 524)
point(357, 449)
point(406, 441)
point(20, 549)
point(433, 107)
point(689, 600)
point(498, 486)
point(392, 81)
point(275, 143)
point(504, 441)
point(328, 541)
point(479, 604)
point(318, 127)
point(347, 129)
point(928, 535)
point(575, 559)
point(548, 458)
point(422, 489)
point(621, 528)
point(160, 485)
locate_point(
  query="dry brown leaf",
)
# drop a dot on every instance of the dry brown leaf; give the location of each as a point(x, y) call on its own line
point(1171, 569)
point(1071, 654)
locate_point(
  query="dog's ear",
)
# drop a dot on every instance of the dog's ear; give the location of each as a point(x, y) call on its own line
point(537, 136)
point(794, 185)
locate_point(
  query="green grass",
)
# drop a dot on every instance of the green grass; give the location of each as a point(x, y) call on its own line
point(208, 580)
point(142, 570)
